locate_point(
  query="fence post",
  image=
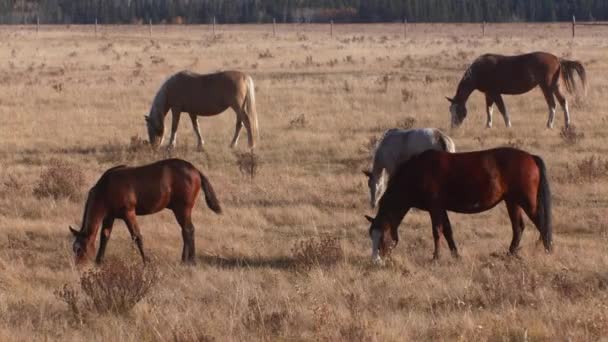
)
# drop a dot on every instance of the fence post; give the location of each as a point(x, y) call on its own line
point(483, 29)
point(213, 27)
point(150, 27)
point(95, 27)
point(573, 26)
point(404, 28)
point(331, 28)
point(274, 27)
point(37, 24)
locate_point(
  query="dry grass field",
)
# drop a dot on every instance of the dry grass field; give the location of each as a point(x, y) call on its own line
point(289, 259)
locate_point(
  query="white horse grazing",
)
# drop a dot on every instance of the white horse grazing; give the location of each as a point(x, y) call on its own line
point(397, 146)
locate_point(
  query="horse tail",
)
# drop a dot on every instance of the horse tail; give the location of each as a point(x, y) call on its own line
point(543, 204)
point(210, 198)
point(447, 144)
point(251, 111)
point(567, 72)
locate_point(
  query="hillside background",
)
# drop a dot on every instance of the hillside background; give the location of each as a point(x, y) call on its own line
point(252, 11)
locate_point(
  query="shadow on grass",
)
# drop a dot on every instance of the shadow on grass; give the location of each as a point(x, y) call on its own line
point(281, 263)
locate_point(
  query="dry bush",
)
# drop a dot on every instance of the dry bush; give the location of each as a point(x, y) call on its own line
point(588, 169)
point(60, 180)
point(570, 135)
point(299, 121)
point(138, 144)
point(407, 123)
point(258, 318)
point(248, 163)
point(113, 288)
point(323, 251)
point(266, 54)
point(406, 95)
point(347, 87)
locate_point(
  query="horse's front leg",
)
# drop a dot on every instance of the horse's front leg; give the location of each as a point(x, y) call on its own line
point(176, 113)
point(106, 231)
point(437, 224)
point(197, 131)
point(489, 109)
point(131, 221)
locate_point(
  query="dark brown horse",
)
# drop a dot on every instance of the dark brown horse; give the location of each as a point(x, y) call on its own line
point(472, 182)
point(124, 192)
point(495, 75)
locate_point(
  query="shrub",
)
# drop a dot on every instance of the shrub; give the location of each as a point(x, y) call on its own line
point(116, 287)
point(299, 121)
point(407, 123)
point(60, 180)
point(322, 251)
point(570, 135)
point(248, 163)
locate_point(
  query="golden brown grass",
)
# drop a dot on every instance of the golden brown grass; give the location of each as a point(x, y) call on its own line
point(66, 96)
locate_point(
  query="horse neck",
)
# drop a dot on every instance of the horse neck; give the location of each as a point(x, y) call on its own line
point(393, 207)
point(92, 217)
point(159, 107)
point(465, 88)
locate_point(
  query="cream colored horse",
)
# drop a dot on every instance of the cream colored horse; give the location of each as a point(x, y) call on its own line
point(203, 95)
point(396, 147)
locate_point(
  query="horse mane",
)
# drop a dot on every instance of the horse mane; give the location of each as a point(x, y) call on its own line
point(110, 170)
point(159, 104)
point(91, 193)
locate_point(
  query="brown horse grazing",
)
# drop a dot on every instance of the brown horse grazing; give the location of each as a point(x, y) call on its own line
point(495, 75)
point(123, 192)
point(472, 182)
point(203, 95)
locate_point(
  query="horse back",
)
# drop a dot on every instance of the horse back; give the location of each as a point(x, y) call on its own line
point(467, 182)
point(206, 94)
point(499, 74)
point(149, 188)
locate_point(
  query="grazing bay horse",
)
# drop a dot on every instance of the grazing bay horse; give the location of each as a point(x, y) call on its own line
point(496, 74)
point(203, 95)
point(124, 192)
point(472, 182)
point(397, 146)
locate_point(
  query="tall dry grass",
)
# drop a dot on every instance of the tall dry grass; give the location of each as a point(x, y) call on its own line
point(289, 259)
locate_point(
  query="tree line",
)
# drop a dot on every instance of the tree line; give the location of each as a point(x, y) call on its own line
point(293, 11)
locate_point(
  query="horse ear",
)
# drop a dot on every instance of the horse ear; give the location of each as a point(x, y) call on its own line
point(449, 99)
point(367, 173)
point(369, 218)
point(74, 231)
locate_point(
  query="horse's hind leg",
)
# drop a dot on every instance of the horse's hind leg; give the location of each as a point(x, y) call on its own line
point(237, 128)
point(489, 109)
point(563, 103)
point(503, 110)
point(551, 103)
point(133, 227)
point(447, 233)
point(197, 131)
point(106, 230)
point(183, 217)
point(517, 224)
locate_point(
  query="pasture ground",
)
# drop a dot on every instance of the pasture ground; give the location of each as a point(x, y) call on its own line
point(69, 97)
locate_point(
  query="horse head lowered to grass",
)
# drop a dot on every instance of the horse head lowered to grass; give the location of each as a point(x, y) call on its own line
point(124, 192)
point(203, 95)
point(495, 75)
point(472, 182)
